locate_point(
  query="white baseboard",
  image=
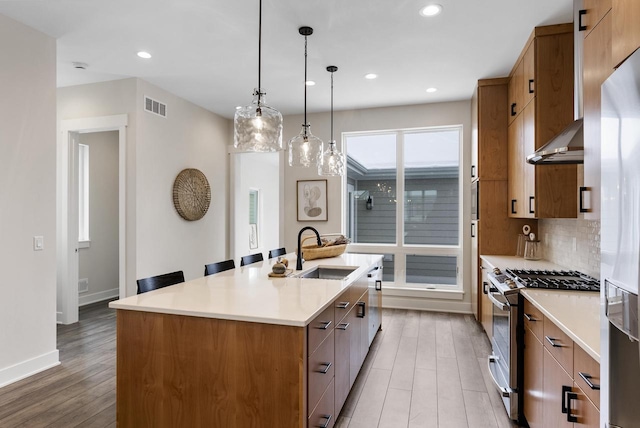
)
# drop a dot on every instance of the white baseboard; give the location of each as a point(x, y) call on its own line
point(87, 299)
point(435, 305)
point(28, 368)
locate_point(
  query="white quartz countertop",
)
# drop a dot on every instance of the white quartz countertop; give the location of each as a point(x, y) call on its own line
point(577, 313)
point(248, 294)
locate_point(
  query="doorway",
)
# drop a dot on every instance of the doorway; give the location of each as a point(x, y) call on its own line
point(68, 245)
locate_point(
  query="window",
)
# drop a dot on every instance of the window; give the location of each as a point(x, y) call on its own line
point(83, 193)
point(253, 218)
point(403, 200)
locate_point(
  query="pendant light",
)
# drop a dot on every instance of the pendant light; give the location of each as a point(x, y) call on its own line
point(332, 161)
point(305, 149)
point(258, 127)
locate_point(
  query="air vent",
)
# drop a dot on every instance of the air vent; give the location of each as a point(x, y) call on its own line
point(155, 107)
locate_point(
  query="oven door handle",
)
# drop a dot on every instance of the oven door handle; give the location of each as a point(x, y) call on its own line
point(504, 391)
point(501, 305)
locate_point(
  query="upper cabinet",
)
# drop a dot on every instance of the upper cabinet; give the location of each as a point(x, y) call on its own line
point(593, 12)
point(489, 151)
point(597, 67)
point(541, 87)
point(625, 30)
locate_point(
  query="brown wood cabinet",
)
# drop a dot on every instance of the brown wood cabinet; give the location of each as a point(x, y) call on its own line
point(597, 68)
point(561, 381)
point(626, 31)
point(495, 233)
point(516, 96)
point(593, 11)
point(486, 310)
point(533, 379)
point(547, 191)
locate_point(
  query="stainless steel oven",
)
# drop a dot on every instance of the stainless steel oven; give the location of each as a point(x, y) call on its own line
point(475, 211)
point(503, 361)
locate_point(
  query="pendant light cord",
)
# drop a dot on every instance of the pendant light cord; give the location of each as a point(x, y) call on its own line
point(259, 52)
point(331, 143)
point(305, 85)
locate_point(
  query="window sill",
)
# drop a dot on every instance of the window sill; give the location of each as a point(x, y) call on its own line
point(84, 244)
point(430, 293)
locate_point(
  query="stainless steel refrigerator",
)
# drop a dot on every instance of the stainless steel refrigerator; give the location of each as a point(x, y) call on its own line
point(620, 247)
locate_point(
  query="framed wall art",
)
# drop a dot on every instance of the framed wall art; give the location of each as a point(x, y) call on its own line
point(312, 200)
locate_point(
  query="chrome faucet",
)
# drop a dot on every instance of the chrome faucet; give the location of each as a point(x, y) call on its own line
point(300, 259)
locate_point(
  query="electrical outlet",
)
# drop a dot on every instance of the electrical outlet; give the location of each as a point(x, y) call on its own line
point(38, 243)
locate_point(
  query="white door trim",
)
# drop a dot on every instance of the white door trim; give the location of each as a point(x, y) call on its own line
point(67, 209)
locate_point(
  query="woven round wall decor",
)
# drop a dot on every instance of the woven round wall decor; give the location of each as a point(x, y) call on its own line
point(191, 194)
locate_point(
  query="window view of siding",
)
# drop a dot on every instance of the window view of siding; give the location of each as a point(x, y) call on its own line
point(431, 169)
point(403, 193)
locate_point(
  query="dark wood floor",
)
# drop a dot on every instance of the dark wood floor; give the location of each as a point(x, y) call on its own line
point(424, 370)
point(78, 393)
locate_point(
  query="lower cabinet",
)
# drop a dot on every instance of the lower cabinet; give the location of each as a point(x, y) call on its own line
point(557, 373)
point(334, 364)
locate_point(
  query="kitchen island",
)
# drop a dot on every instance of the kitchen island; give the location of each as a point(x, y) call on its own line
point(240, 349)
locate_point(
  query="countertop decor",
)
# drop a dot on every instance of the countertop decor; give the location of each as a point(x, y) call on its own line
point(191, 194)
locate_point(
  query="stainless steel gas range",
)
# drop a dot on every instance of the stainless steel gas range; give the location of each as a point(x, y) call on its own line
point(506, 361)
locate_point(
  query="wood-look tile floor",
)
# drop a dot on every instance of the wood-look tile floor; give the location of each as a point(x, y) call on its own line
point(424, 369)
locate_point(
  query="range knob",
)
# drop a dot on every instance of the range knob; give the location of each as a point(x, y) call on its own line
point(510, 283)
point(497, 271)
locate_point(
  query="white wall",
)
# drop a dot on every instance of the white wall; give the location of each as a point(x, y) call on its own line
point(412, 116)
point(189, 137)
point(256, 171)
point(98, 263)
point(28, 208)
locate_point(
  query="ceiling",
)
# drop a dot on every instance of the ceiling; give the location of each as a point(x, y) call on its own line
point(206, 51)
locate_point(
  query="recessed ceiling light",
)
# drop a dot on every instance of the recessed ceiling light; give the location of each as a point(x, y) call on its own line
point(431, 90)
point(431, 10)
point(370, 76)
point(143, 54)
point(310, 83)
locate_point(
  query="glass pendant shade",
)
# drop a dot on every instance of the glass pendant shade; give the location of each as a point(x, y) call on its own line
point(257, 127)
point(305, 149)
point(332, 162)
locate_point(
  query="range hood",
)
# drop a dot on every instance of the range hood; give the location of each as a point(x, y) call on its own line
point(568, 146)
point(565, 148)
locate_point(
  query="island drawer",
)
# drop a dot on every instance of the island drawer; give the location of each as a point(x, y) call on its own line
point(586, 374)
point(319, 328)
point(559, 345)
point(320, 371)
point(324, 413)
point(533, 319)
point(343, 305)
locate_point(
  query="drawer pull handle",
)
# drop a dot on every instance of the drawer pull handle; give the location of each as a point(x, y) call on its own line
point(342, 305)
point(326, 368)
point(326, 423)
point(587, 378)
point(513, 109)
point(343, 326)
point(552, 341)
point(530, 318)
point(530, 88)
point(363, 307)
point(324, 325)
point(513, 206)
point(378, 285)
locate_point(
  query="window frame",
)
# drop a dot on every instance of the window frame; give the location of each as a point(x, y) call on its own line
point(84, 236)
point(399, 249)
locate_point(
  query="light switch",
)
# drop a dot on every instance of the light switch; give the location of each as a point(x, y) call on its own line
point(38, 243)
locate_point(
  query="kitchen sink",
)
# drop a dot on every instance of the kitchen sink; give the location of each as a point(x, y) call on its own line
point(326, 272)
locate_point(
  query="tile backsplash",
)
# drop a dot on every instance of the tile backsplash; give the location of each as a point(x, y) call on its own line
point(572, 243)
